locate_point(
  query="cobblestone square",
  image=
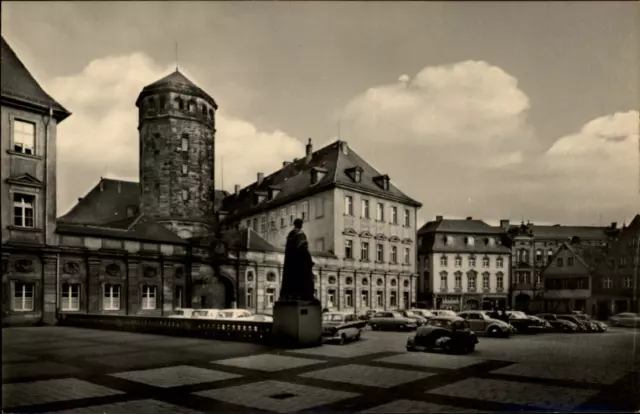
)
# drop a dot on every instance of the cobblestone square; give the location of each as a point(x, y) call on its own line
point(175, 376)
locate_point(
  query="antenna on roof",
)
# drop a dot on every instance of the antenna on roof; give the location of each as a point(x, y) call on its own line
point(176, 55)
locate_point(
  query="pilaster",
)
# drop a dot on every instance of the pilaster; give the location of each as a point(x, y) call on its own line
point(168, 276)
point(49, 289)
point(94, 285)
point(132, 290)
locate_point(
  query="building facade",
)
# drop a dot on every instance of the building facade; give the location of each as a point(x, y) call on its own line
point(463, 264)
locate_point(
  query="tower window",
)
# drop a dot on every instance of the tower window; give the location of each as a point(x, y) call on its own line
point(163, 102)
point(185, 169)
point(185, 194)
point(211, 113)
point(192, 106)
point(180, 103)
point(204, 111)
point(185, 142)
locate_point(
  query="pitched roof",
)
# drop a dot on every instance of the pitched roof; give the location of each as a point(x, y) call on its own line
point(589, 256)
point(468, 226)
point(176, 82)
point(19, 87)
point(108, 202)
point(294, 182)
point(558, 232)
point(239, 239)
point(140, 228)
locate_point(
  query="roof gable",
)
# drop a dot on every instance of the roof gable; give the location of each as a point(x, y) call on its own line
point(26, 180)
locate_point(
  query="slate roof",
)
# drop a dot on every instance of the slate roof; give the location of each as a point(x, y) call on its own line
point(294, 182)
point(176, 82)
point(468, 226)
point(110, 204)
point(589, 256)
point(567, 232)
point(242, 239)
point(141, 228)
point(19, 87)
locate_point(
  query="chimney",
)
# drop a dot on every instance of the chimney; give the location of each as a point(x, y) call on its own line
point(504, 224)
point(309, 151)
point(614, 225)
point(344, 147)
point(286, 163)
point(119, 187)
point(469, 218)
point(260, 178)
point(438, 218)
point(101, 184)
point(236, 189)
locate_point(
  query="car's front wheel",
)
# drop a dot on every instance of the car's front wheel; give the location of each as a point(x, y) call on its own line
point(494, 331)
point(343, 339)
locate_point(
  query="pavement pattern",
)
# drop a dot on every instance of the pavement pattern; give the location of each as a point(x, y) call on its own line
point(74, 370)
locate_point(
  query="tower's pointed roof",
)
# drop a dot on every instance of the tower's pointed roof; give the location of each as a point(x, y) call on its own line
point(175, 82)
point(19, 87)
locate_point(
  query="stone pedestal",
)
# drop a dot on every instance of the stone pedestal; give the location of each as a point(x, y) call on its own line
point(297, 324)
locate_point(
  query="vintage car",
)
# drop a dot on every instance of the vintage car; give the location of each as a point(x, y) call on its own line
point(342, 327)
point(522, 322)
point(423, 312)
point(391, 320)
point(237, 314)
point(540, 324)
point(628, 319)
point(600, 326)
point(583, 326)
point(480, 322)
point(205, 314)
point(184, 313)
point(559, 325)
point(443, 312)
point(414, 316)
point(446, 333)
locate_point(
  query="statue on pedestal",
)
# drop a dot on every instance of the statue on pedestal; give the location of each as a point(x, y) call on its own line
point(297, 276)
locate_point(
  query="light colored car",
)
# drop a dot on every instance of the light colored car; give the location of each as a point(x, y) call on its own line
point(182, 313)
point(241, 314)
point(342, 327)
point(419, 319)
point(423, 312)
point(628, 319)
point(205, 314)
point(390, 320)
point(443, 312)
point(261, 317)
point(480, 322)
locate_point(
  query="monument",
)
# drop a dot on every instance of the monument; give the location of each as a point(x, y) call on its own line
point(297, 314)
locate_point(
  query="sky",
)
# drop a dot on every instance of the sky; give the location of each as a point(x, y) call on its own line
point(520, 111)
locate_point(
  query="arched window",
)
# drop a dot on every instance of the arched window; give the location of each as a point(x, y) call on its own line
point(332, 280)
point(250, 275)
point(393, 282)
point(349, 281)
point(204, 111)
point(365, 281)
point(211, 113)
point(180, 103)
point(192, 106)
point(379, 282)
point(163, 102)
point(271, 277)
point(405, 283)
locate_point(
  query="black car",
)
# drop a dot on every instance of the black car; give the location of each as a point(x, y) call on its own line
point(446, 333)
point(582, 325)
point(559, 325)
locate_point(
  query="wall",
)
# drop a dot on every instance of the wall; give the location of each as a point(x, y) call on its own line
point(451, 269)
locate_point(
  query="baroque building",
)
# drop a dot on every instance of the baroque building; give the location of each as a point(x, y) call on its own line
point(463, 264)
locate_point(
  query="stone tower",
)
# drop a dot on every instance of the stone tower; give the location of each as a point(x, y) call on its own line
point(176, 123)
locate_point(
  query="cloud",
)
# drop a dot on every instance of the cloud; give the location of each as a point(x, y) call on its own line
point(101, 137)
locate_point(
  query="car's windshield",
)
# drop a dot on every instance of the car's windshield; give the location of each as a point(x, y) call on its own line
point(332, 317)
point(518, 315)
point(444, 323)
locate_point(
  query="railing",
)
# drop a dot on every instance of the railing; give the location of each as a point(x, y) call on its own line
point(244, 331)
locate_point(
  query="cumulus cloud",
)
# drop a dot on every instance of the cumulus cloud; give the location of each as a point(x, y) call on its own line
point(101, 137)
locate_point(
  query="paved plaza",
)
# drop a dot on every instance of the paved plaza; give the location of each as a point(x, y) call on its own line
point(73, 370)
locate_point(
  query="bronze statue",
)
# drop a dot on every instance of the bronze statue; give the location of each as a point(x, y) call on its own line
point(297, 276)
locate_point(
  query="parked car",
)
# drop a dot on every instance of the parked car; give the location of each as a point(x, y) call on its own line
point(628, 319)
point(261, 317)
point(582, 325)
point(449, 334)
point(423, 312)
point(521, 322)
point(442, 312)
point(559, 325)
point(205, 313)
point(391, 320)
point(369, 313)
point(413, 316)
point(480, 322)
point(182, 313)
point(599, 326)
point(540, 324)
point(238, 314)
point(342, 327)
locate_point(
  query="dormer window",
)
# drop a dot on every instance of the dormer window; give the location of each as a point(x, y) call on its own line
point(491, 241)
point(448, 240)
point(355, 174)
point(470, 241)
point(261, 198)
point(317, 174)
point(273, 192)
point(382, 181)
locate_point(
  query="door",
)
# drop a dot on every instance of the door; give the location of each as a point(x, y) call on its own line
point(476, 322)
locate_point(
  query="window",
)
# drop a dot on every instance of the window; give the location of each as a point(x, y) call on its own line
point(499, 280)
point(23, 205)
point(263, 223)
point(357, 175)
point(320, 245)
point(364, 251)
point(559, 262)
point(271, 277)
point(580, 284)
point(272, 221)
point(394, 215)
point(407, 255)
point(185, 143)
point(623, 261)
point(185, 169)
point(379, 299)
point(379, 253)
point(538, 255)
point(472, 281)
point(319, 207)
point(185, 194)
point(292, 214)
point(23, 294)
point(407, 217)
point(485, 281)
point(348, 205)
point(380, 212)
point(331, 298)
point(443, 261)
point(283, 217)
point(627, 282)
point(111, 297)
point(179, 296)
point(458, 280)
point(149, 297)
point(270, 297)
point(425, 278)
point(549, 254)
point(485, 262)
point(365, 298)
point(470, 241)
point(607, 283)
point(24, 137)
point(70, 297)
point(443, 280)
point(304, 214)
point(472, 261)
point(499, 262)
point(348, 249)
point(348, 298)
point(394, 254)
point(250, 297)
point(393, 298)
point(570, 261)
point(491, 241)
point(255, 224)
point(458, 261)
point(449, 240)
point(365, 209)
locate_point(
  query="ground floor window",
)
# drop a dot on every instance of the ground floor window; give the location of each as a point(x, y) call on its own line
point(270, 297)
point(111, 297)
point(149, 297)
point(179, 295)
point(393, 299)
point(365, 298)
point(331, 298)
point(23, 294)
point(70, 297)
point(405, 300)
point(348, 298)
point(249, 297)
point(379, 299)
